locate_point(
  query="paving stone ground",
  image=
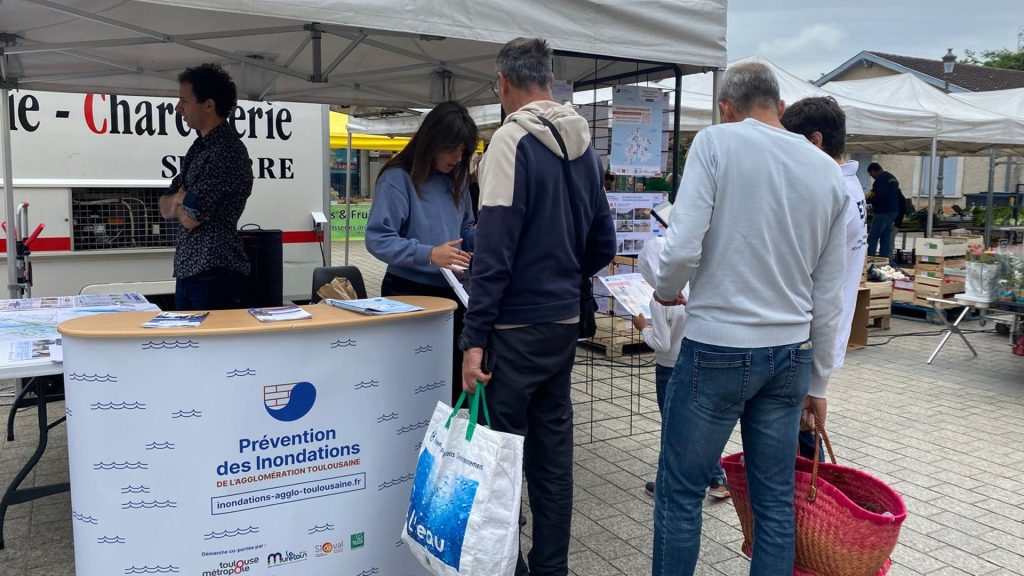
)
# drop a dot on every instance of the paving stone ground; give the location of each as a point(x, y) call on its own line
point(947, 436)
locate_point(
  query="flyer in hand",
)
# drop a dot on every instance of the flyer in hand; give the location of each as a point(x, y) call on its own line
point(176, 320)
point(374, 306)
point(631, 291)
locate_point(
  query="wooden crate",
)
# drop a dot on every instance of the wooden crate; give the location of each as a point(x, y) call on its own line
point(936, 287)
point(879, 312)
point(615, 335)
point(944, 247)
point(903, 296)
point(879, 289)
point(880, 323)
point(924, 303)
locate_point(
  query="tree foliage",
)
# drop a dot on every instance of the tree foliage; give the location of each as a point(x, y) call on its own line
point(1002, 58)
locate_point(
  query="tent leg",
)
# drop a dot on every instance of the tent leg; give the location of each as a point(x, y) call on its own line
point(5, 149)
point(348, 194)
point(676, 134)
point(716, 79)
point(931, 188)
point(990, 195)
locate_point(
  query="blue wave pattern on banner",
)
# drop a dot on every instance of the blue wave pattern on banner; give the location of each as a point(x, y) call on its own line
point(395, 482)
point(84, 518)
point(412, 427)
point(243, 372)
point(387, 417)
point(67, 412)
point(373, 570)
point(439, 510)
point(159, 446)
point(117, 406)
point(140, 489)
point(83, 377)
point(327, 527)
point(152, 569)
point(423, 350)
point(231, 533)
point(187, 414)
point(170, 344)
point(429, 387)
point(120, 466)
point(350, 343)
point(366, 385)
point(147, 504)
point(110, 540)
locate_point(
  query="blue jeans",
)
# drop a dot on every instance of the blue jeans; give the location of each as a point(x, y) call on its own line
point(661, 377)
point(711, 388)
point(881, 235)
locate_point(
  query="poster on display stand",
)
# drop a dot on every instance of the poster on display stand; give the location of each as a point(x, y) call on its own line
point(636, 131)
point(634, 222)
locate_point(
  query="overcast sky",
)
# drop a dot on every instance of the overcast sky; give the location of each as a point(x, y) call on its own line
point(812, 37)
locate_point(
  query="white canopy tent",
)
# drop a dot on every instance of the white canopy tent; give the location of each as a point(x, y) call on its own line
point(964, 129)
point(1006, 102)
point(388, 53)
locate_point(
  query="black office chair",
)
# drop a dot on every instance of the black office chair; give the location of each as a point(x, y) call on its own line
point(324, 274)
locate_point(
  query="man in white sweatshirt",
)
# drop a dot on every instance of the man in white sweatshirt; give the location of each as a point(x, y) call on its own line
point(757, 231)
point(823, 123)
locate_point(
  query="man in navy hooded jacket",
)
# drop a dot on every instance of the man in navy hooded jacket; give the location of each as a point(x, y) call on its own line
point(526, 275)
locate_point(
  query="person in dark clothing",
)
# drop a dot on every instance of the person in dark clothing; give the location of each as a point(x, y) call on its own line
point(421, 219)
point(208, 196)
point(884, 198)
point(526, 280)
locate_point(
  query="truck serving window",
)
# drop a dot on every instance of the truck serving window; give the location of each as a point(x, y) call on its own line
point(113, 218)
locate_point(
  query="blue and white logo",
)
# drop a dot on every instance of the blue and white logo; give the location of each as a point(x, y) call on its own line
point(439, 510)
point(289, 402)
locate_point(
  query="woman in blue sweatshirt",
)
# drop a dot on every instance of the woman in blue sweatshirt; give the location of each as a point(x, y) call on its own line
point(421, 219)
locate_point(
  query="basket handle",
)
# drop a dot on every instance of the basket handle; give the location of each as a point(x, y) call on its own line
point(819, 436)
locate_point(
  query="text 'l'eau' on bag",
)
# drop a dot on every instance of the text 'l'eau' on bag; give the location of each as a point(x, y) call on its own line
point(847, 521)
point(463, 517)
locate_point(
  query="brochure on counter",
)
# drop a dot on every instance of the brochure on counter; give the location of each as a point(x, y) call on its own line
point(374, 306)
point(176, 320)
point(631, 291)
point(279, 313)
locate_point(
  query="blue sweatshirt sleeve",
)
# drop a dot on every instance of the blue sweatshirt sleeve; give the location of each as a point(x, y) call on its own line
point(388, 215)
point(601, 243)
point(502, 214)
point(468, 223)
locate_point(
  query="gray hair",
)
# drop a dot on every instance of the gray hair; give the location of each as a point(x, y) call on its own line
point(526, 63)
point(749, 85)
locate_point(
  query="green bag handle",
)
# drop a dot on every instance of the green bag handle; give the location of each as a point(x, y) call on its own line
point(474, 410)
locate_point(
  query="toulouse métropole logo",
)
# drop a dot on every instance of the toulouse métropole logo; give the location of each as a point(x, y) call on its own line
point(289, 402)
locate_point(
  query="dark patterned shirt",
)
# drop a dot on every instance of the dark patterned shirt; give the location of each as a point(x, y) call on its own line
point(217, 178)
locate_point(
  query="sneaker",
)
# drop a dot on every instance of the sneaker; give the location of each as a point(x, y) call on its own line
point(719, 491)
point(649, 489)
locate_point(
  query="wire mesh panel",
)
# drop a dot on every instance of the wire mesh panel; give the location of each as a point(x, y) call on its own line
point(110, 218)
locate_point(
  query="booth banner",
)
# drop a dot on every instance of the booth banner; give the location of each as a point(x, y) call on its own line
point(636, 131)
point(357, 224)
point(634, 223)
point(288, 453)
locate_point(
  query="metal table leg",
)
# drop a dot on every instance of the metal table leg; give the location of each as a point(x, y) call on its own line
point(14, 495)
point(951, 328)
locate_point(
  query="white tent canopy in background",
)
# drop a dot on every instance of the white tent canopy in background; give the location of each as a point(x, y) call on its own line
point(1007, 102)
point(963, 128)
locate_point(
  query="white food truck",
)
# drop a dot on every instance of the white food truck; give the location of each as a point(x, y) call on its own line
point(92, 166)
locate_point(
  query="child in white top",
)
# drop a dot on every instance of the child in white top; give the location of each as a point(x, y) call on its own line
point(664, 334)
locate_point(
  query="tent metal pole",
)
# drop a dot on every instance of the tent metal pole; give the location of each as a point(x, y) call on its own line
point(716, 79)
point(676, 133)
point(5, 148)
point(931, 188)
point(990, 195)
point(348, 194)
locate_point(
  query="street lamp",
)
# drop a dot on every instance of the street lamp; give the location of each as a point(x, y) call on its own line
point(948, 64)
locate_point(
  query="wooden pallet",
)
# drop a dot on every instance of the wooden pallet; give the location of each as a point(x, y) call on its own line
point(880, 323)
point(617, 337)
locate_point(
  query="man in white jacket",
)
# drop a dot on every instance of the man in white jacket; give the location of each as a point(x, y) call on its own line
point(756, 229)
point(823, 123)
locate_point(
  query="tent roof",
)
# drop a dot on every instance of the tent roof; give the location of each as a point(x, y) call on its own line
point(1006, 102)
point(963, 128)
point(384, 53)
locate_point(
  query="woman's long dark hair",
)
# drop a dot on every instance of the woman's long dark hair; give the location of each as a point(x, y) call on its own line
point(444, 129)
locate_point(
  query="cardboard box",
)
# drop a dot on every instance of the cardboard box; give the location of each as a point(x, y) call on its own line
point(944, 247)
